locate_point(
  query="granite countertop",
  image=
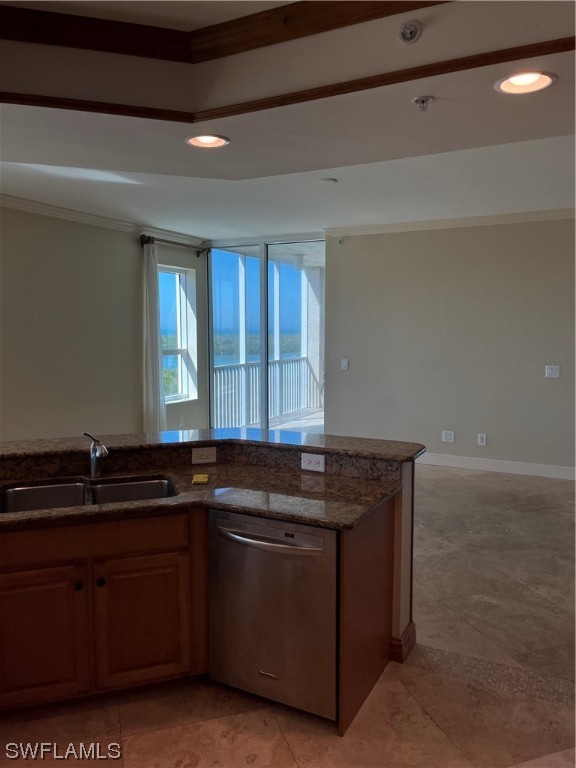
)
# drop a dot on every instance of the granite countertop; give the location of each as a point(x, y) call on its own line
point(394, 450)
point(361, 473)
point(327, 501)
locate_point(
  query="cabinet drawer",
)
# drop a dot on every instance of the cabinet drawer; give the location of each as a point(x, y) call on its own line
point(83, 542)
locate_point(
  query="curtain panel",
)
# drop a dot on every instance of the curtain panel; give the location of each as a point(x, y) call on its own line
point(154, 410)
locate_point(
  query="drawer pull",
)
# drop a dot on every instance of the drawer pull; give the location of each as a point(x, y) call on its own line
point(101, 582)
point(79, 586)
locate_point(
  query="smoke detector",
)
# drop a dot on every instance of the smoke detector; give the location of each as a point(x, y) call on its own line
point(410, 31)
point(423, 102)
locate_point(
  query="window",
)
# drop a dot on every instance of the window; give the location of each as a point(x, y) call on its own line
point(177, 294)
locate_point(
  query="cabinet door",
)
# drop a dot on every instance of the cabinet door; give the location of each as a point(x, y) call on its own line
point(141, 619)
point(44, 637)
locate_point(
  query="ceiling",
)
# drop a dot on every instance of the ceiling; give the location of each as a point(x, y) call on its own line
point(474, 152)
point(172, 14)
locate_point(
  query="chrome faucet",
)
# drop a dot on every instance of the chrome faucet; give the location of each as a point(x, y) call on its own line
point(97, 452)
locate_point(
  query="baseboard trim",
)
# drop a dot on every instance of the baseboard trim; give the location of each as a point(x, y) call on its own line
point(498, 465)
point(401, 646)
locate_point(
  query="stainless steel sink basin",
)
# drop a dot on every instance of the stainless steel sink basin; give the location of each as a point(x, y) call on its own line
point(132, 490)
point(47, 495)
point(27, 498)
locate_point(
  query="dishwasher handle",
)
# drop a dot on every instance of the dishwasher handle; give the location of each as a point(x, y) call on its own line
point(261, 542)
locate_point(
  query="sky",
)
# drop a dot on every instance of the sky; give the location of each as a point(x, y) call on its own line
point(225, 293)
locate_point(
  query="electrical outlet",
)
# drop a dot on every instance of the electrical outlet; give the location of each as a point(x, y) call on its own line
point(180, 421)
point(552, 371)
point(482, 439)
point(204, 455)
point(447, 436)
point(315, 462)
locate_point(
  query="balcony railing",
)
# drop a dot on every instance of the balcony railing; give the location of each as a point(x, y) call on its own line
point(292, 386)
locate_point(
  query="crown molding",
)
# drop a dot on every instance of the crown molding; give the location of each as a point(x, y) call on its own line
point(56, 212)
point(469, 221)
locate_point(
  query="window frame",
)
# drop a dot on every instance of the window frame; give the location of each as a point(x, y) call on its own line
point(187, 334)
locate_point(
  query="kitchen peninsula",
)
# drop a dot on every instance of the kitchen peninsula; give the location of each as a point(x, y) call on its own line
point(103, 596)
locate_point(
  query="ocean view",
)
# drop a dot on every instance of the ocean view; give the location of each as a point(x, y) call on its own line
point(226, 348)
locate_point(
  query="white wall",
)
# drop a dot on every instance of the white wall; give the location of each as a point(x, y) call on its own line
point(450, 330)
point(71, 330)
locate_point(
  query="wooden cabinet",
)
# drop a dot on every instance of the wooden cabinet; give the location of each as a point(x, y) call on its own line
point(141, 619)
point(44, 634)
point(118, 615)
point(365, 610)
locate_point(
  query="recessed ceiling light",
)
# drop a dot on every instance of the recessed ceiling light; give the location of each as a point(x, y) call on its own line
point(208, 141)
point(525, 82)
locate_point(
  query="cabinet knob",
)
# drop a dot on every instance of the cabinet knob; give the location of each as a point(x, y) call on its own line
point(101, 582)
point(79, 586)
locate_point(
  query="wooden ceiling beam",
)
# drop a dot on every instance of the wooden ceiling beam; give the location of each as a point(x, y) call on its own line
point(247, 33)
point(63, 29)
point(290, 22)
point(519, 53)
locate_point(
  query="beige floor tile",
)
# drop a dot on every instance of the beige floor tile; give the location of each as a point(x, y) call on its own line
point(395, 671)
point(181, 703)
point(472, 523)
point(493, 488)
point(516, 619)
point(390, 731)
point(567, 511)
point(564, 759)
point(83, 721)
point(558, 590)
point(493, 730)
point(456, 574)
point(557, 661)
point(428, 543)
point(440, 627)
point(536, 562)
point(251, 739)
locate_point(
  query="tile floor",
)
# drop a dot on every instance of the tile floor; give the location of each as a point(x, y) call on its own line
point(486, 686)
point(494, 567)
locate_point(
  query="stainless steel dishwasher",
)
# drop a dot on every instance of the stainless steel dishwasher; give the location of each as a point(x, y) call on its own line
point(273, 609)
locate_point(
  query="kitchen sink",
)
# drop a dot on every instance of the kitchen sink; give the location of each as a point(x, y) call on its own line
point(50, 495)
point(131, 490)
point(25, 498)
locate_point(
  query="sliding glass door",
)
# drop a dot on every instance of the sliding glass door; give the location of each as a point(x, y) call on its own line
point(236, 337)
point(267, 320)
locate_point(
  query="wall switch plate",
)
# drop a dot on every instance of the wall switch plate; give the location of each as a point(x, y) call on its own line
point(447, 436)
point(552, 371)
point(315, 462)
point(344, 364)
point(180, 421)
point(482, 439)
point(204, 455)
